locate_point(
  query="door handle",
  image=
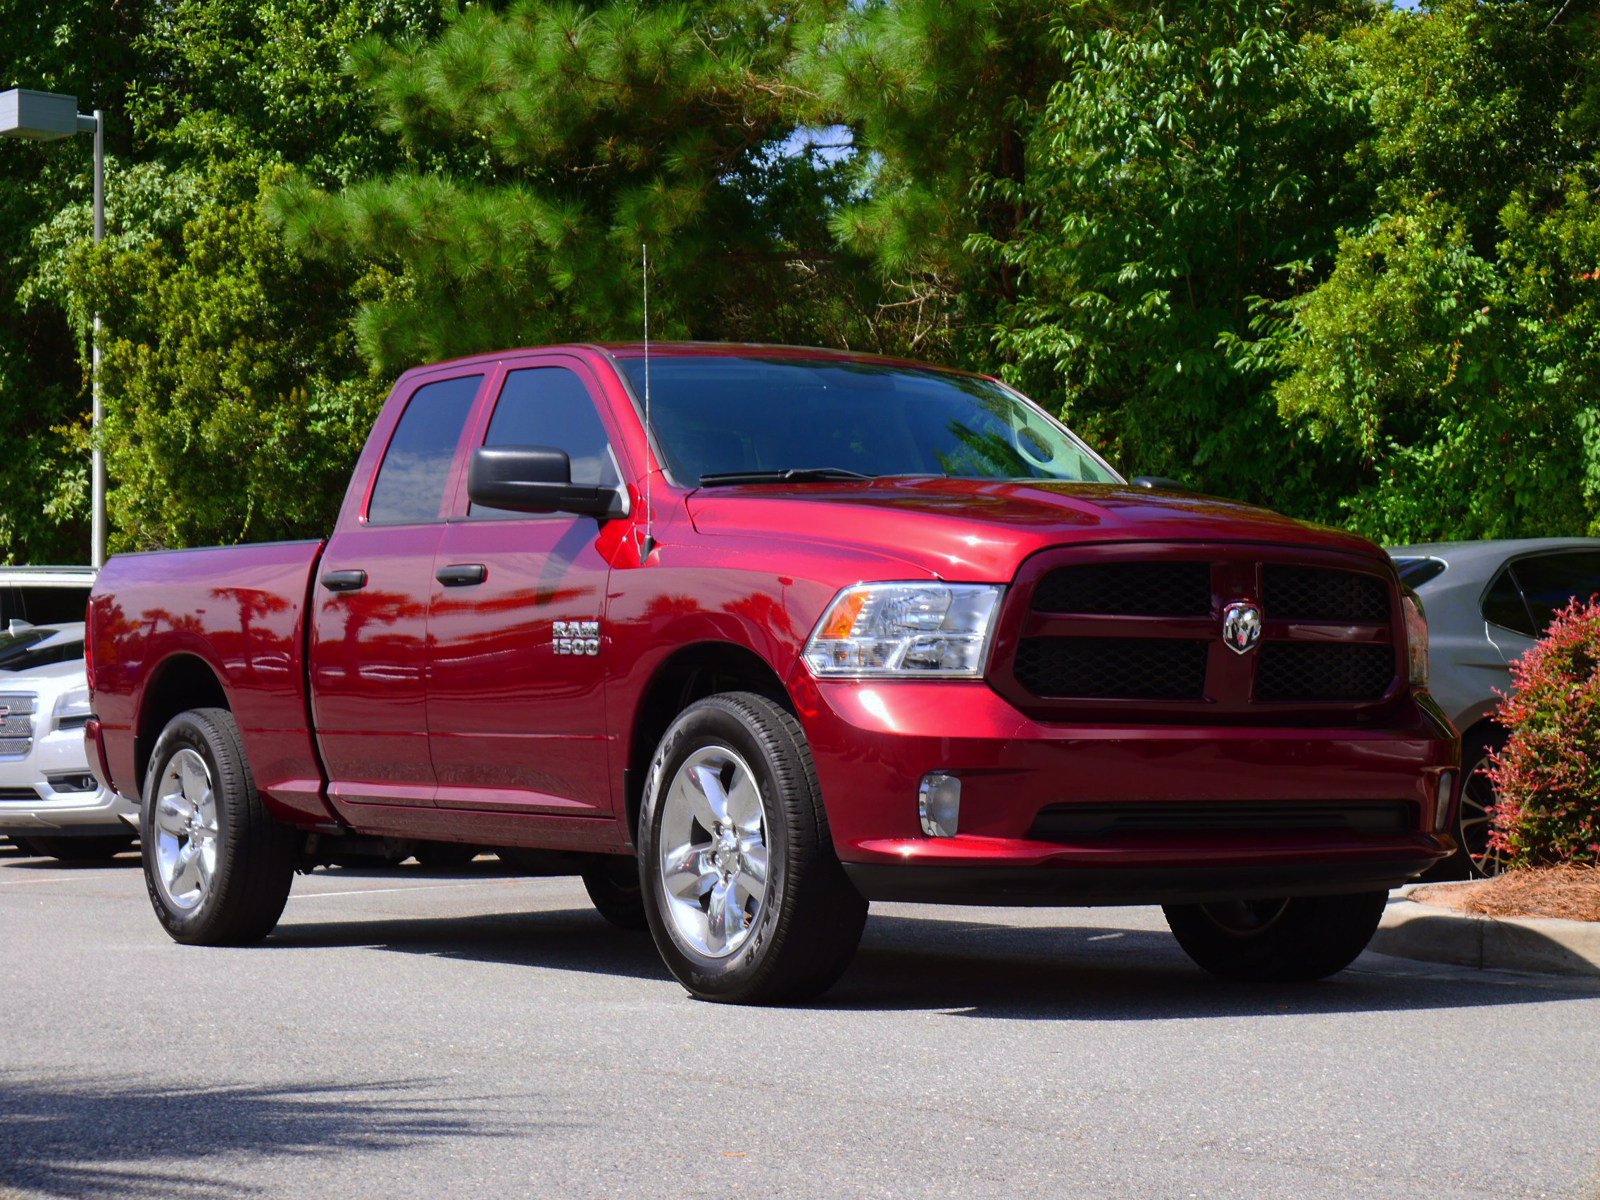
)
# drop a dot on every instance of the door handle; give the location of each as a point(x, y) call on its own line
point(344, 581)
point(462, 574)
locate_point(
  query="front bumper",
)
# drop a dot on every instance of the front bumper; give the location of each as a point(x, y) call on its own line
point(34, 798)
point(873, 743)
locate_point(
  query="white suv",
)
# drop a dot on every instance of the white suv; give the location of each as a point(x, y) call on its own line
point(50, 802)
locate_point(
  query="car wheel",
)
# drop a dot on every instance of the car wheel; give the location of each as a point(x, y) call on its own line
point(743, 893)
point(1475, 858)
point(216, 865)
point(1307, 937)
point(80, 849)
point(613, 886)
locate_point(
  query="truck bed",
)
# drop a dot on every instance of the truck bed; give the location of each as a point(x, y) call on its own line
point(241, 611)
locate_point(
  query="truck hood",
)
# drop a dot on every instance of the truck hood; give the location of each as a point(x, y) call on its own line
point(982, 530)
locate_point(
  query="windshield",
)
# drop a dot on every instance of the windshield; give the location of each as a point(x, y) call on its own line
point(29, 648)
point(760, 417)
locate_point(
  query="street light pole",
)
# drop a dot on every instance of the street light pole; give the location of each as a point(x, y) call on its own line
point(48, 117)
point(97, 458)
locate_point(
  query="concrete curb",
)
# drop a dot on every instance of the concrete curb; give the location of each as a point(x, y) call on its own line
point(1411, 929)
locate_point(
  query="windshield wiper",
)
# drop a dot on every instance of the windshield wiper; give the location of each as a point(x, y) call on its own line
point(792, 475)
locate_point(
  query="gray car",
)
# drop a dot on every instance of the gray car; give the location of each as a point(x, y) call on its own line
point(1487, 604)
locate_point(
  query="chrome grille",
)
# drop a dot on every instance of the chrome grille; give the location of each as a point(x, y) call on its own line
point(16, 726)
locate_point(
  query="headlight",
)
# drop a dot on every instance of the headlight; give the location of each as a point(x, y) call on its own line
point(72, 709)
point(906, 630)
point(1416, 639)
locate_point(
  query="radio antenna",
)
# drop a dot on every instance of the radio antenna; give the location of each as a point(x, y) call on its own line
point(649, 543)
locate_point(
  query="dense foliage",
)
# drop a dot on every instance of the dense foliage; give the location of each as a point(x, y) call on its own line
point(1324, 255)
point(1548, 774)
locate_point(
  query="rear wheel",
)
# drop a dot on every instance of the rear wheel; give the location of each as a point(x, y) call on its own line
point(613, 886)
point(1306, 937)
point(81, 849)
point(217, 867)
point(744, 895)
point(444, 856)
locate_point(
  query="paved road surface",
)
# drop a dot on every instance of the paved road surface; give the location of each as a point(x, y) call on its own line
point(414, 1035)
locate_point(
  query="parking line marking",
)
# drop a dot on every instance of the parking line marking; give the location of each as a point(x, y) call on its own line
point(41, 882)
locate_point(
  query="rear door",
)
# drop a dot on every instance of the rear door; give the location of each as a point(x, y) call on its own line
point(1525, 596)
point(516, 702)
point(370, 604)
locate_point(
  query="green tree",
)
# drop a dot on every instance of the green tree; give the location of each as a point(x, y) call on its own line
point(1186, 172)
point(235, 402)
point(1451, 354)
point(573, 135)
point(80, 48)
point(942, 98)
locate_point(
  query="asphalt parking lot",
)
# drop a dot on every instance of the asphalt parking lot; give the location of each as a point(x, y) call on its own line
point(413, 1034)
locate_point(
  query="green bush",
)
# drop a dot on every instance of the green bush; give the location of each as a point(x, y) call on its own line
point(1548, 774)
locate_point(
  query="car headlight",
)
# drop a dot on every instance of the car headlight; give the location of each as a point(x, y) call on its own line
point(72, 709)
point(1416, 639)
point(906, 630)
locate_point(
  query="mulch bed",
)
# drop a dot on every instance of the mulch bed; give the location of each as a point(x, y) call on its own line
point(1571, 892)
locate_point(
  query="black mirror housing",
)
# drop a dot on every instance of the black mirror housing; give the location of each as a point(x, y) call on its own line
point(535, 479)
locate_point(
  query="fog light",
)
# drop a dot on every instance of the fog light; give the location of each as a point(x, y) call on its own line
point(939, 804)
point(1442, 799)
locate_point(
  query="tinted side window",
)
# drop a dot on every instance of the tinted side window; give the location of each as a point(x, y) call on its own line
point(1503, 606)
point(41, 605)
point(410, 486)
point(550, 406)
point(1551, 581)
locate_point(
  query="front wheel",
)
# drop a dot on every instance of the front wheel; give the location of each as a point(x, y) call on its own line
point(1307, 937)
point(216, 865)
point(744, 895)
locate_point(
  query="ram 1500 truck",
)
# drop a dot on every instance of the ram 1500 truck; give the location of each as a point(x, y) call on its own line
point(748, 636)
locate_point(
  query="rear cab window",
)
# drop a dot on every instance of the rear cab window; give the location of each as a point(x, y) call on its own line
point(411, 481)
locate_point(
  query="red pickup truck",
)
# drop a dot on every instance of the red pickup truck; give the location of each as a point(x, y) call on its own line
point(821, 628)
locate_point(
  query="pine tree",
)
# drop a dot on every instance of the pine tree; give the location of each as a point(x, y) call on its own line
point(573, 135)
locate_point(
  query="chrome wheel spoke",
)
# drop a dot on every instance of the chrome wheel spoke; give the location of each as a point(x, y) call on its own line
point(687, 872)
point(173, 813)
point(753, 866)
point(185, 871)
point(712, 867)
point(188, 836)
point(724, 917)
point(744, 803)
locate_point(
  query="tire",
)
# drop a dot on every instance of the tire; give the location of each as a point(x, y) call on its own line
point(613, 886)
point(1474, 858)
point(1305, 938)
point(795, 939)
point(238, 898)
point(81, 849)
point(444, 856)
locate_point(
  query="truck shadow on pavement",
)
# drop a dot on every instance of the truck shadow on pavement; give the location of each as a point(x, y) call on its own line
point(109, 1137)
point(1070, 972)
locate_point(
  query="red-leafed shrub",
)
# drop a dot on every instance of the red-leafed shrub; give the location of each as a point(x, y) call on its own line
point(1548, 774)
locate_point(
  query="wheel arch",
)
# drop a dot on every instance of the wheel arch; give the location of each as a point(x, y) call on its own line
point(181, 681)
point(690, 673)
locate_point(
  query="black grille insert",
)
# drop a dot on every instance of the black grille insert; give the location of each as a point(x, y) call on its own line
point(1113, 668)
point(1075, 822)
point(1134, 589)
point(1290, 593)
point(18, 793)
point(1313, 671)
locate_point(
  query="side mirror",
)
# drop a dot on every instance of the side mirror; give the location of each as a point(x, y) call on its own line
point(536, 479)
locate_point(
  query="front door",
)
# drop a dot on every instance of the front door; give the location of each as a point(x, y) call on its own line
point(516, 702)
point(370, 603)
